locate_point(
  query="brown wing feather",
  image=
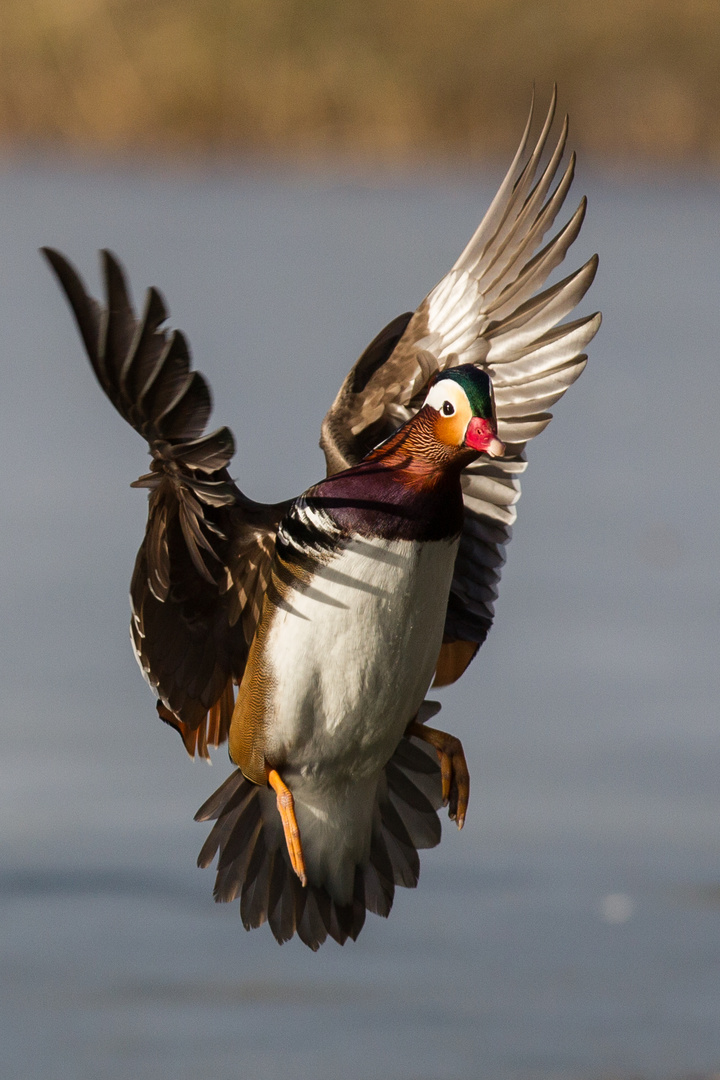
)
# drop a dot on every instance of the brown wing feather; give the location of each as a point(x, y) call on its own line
point(338, 439)
point(202, 568)
point(487, 310)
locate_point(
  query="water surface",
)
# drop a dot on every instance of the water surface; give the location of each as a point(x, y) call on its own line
point(573, 929)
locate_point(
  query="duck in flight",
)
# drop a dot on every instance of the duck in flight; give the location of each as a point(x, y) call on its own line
point(306, 633)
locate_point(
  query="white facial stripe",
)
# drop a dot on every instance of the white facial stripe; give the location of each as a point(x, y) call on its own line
point(447, 390)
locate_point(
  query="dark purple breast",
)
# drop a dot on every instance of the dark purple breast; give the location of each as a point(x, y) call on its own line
point(374, 500)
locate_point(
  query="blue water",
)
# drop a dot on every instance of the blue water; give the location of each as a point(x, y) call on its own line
point(573, 929)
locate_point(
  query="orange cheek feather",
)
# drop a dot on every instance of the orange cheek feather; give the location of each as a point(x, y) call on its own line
point(451, 429)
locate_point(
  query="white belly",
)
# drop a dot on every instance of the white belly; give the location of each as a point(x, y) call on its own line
point(352, 655)
point(350, 660)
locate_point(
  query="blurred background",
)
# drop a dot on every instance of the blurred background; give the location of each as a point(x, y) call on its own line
point(377, 82)
point(293, 175)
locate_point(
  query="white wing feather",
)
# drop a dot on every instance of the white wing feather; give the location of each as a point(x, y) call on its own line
point(487, 310)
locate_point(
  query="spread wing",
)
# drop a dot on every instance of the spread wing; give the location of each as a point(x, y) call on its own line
point(491, 309)
point(203, 565)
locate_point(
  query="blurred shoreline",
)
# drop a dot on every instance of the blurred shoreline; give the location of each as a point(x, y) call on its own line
point(201, 164)
point(393, 85)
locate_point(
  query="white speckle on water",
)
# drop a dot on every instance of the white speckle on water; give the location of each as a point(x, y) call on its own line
point(616, 908)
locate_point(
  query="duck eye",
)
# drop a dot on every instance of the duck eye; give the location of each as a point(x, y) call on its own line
point(448, 408)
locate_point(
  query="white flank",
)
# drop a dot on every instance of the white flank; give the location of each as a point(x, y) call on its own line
point(352, 656)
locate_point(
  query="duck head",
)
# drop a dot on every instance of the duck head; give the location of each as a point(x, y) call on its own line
point(462, 397)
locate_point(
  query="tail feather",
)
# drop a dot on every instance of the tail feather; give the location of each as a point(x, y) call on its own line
point(415, 757)
point(405, 862)
point(247, 821)
point(282, 900)
point(379, 892)
point(417, 812)
point(395, 826)
point(311, 927)
point(396, 861)
point(253, 862)
point(359, 907)
point(401, 785)
point(231, 878)
point(254, 899)
point(382, 863)
point(223, 799)
point(323, 904)
point(341, 922)
point(218, 837)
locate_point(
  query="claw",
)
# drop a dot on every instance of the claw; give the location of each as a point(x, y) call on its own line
point(286, 807)
point(453, 769)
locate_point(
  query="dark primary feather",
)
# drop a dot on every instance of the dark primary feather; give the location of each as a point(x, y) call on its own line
point(202, 568)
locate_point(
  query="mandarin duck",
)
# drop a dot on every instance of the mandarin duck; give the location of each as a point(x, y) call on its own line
point(332, 613)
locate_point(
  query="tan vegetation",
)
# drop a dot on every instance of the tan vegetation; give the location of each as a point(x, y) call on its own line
point(383, 79)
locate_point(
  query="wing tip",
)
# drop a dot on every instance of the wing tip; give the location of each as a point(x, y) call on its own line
point(62, 268)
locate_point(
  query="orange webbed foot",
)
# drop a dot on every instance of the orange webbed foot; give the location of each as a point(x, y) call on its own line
point(453, 769)
point(286, 808)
